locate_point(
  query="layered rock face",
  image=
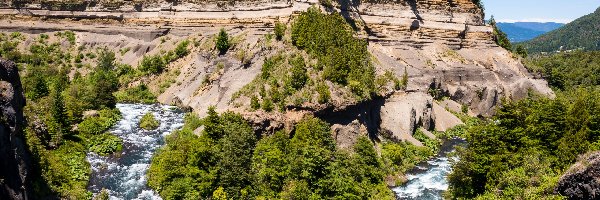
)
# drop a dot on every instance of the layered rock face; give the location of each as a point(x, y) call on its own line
point(581, 181)
point(14, 158)
point(443, 45)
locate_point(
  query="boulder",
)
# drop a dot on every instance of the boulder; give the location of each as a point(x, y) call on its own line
point(582, 180)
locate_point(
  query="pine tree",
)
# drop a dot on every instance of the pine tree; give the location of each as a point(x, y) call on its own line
point(223, 42)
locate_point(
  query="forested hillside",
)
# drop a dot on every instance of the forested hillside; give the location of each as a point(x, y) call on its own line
point(583, 33)
point(522, 151)
point(523, 31)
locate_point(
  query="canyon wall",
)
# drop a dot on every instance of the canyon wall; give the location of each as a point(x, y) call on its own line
point(14, 156)
point(444, 46)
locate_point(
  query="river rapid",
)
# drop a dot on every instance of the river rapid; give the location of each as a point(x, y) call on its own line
point(124, 174)
point(428, 180)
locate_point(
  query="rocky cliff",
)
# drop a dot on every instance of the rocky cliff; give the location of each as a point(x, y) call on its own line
point(14, 159)
point(581, 180)
point(443, 45)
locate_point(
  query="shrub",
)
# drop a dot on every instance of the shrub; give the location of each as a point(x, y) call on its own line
point(324, 94)
point(267, 105)
point(279, 30)
point(223, 42)
point(299, 76)
point(152, 64)
point(105, 144)
point(98, 125)
point(181, 49)
point(254, 104)
point(403, 84)
point(137, 94)
point(148, 122)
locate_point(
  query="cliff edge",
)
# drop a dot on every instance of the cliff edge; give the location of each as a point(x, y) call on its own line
point(14, 157)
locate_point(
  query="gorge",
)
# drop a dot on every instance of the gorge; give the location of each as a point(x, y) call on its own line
point(444, 49)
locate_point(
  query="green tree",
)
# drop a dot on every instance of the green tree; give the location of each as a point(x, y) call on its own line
point(270, 165)
point(181, 49)
point(500, 37)
point(299, 76)
point(223, 42)
point(310, 150)
point(106, 60)
point(104, 84)
point(235, 155)
point(521, 51)
point(344, 59)
point(212, 126)
point(58, 124)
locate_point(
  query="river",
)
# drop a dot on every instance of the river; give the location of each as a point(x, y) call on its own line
point(428, 180)
point(124, 174)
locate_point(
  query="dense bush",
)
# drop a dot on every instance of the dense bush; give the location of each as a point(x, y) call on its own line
point(148, 122)
point(344, 59)
point(401, 157)
point(432, 144)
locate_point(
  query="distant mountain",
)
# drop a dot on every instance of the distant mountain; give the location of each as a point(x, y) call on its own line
point(523, 31)
point(583, 33)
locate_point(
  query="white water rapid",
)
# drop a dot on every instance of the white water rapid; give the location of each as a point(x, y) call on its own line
point(124, 175)
point(428, 180)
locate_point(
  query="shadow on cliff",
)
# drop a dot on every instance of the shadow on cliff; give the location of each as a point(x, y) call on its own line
point(346, 9)
point(367, 113)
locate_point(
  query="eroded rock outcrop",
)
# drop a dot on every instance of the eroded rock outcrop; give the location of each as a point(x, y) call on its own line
point(582, 180)
point(14, 158)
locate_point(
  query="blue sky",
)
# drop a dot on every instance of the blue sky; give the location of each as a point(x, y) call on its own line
point(563, 11)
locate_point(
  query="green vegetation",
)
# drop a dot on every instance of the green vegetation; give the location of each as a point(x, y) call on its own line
point(227, 161)
point(137, 94)
point(432, 144)
point(97, 125)
point(522, 152)
point(105, 144)
point(152, 64)
point(583, 33)
point(223, 42)
point(343, 58)
point(500, 37)
point(401, 157)
point(568, 70)
point(155, 64)
point(279, 30)
point(148, 122)
point(57, 95)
